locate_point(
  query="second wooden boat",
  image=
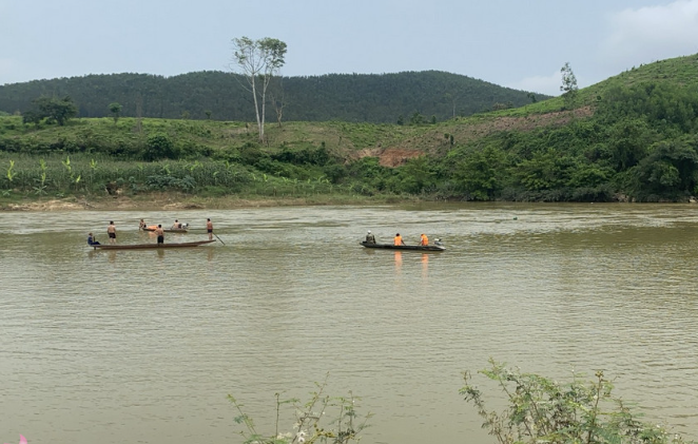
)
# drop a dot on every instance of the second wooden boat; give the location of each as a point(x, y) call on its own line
point(405, 247)
point(150, 246)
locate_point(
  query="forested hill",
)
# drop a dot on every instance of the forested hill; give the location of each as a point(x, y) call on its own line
point(374, 98)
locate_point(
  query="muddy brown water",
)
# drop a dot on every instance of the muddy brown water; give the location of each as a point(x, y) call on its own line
point(144, 346)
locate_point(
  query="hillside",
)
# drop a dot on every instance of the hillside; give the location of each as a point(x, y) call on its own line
point(633, 137)
point(372, 98)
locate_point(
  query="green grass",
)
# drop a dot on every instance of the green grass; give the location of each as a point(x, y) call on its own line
point(341, 138)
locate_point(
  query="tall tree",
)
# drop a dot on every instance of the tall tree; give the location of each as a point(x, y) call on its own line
point(569, 85)
point(278, 99)
point(259, 60)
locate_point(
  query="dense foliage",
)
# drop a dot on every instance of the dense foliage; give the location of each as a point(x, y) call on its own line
point(218, 95)
point(51, 109)
point(641, 143)
point(632, 138)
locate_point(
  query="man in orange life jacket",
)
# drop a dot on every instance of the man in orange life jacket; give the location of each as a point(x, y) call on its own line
point(398, 240)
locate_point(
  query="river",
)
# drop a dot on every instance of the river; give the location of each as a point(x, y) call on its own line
point(144, 346)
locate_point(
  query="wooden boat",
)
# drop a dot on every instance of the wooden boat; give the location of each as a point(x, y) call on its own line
point(167, 230)
point(150, 246)
point(405, 247)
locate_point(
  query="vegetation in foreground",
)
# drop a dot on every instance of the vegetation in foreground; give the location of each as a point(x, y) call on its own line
point(538, 410)
point(631, 138)
point(541, 410)
point(321, 419)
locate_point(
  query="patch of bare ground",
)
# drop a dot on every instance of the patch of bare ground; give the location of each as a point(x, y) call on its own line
point(101, 203)
point(49, 205)
point(434, 142)
point(176, 202)
point(390, 157)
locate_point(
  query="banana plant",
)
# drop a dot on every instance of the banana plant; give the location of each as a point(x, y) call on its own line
point(10, 173)
point(194, 166)
point(66, 164)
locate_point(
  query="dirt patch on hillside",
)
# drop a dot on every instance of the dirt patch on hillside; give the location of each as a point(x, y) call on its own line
point(528, 123)
point(390, 157)
point(435, 142)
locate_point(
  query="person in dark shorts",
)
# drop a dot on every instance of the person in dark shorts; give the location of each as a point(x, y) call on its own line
point(111, 232)
point(160, 234)
point(209, 229)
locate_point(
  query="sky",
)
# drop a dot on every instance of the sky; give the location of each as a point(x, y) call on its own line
point(510, 43)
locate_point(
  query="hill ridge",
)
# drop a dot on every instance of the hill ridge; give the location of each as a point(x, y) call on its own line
point(373, 98)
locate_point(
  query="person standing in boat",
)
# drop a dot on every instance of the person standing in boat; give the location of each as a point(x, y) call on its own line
point(111, 232)
point(209, 228)
point(91, 240)
point(370, 238)
point(424, 240)
point(398, 240)
point(160, 233)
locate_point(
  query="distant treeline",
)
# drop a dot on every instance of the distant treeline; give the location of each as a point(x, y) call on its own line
point(216, 95)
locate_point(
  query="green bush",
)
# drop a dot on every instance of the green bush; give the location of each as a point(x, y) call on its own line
point(541, 410)
point(159, 146)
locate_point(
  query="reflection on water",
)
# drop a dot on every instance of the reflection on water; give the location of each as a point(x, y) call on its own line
point(129, 346)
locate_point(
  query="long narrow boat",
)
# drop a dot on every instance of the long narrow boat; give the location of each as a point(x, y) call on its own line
point(149, 246)
point(405, 247)
point(167, 230)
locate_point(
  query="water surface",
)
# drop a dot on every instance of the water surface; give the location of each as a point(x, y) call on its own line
point(144, 346)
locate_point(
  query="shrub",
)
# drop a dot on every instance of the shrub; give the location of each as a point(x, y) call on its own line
point(544, 411)
point(339, 414)
point(160, 146)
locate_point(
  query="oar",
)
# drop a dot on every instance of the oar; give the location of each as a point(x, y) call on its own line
point(219, 238)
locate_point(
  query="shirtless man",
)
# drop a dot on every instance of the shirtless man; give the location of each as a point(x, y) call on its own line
point(209, 228)
point(111, 232)
point(160, 233)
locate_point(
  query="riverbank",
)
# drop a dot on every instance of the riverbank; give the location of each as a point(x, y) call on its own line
point(174, 201)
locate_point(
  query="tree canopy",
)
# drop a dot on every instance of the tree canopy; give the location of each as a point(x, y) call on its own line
point(259, 61)
point(52, 109)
